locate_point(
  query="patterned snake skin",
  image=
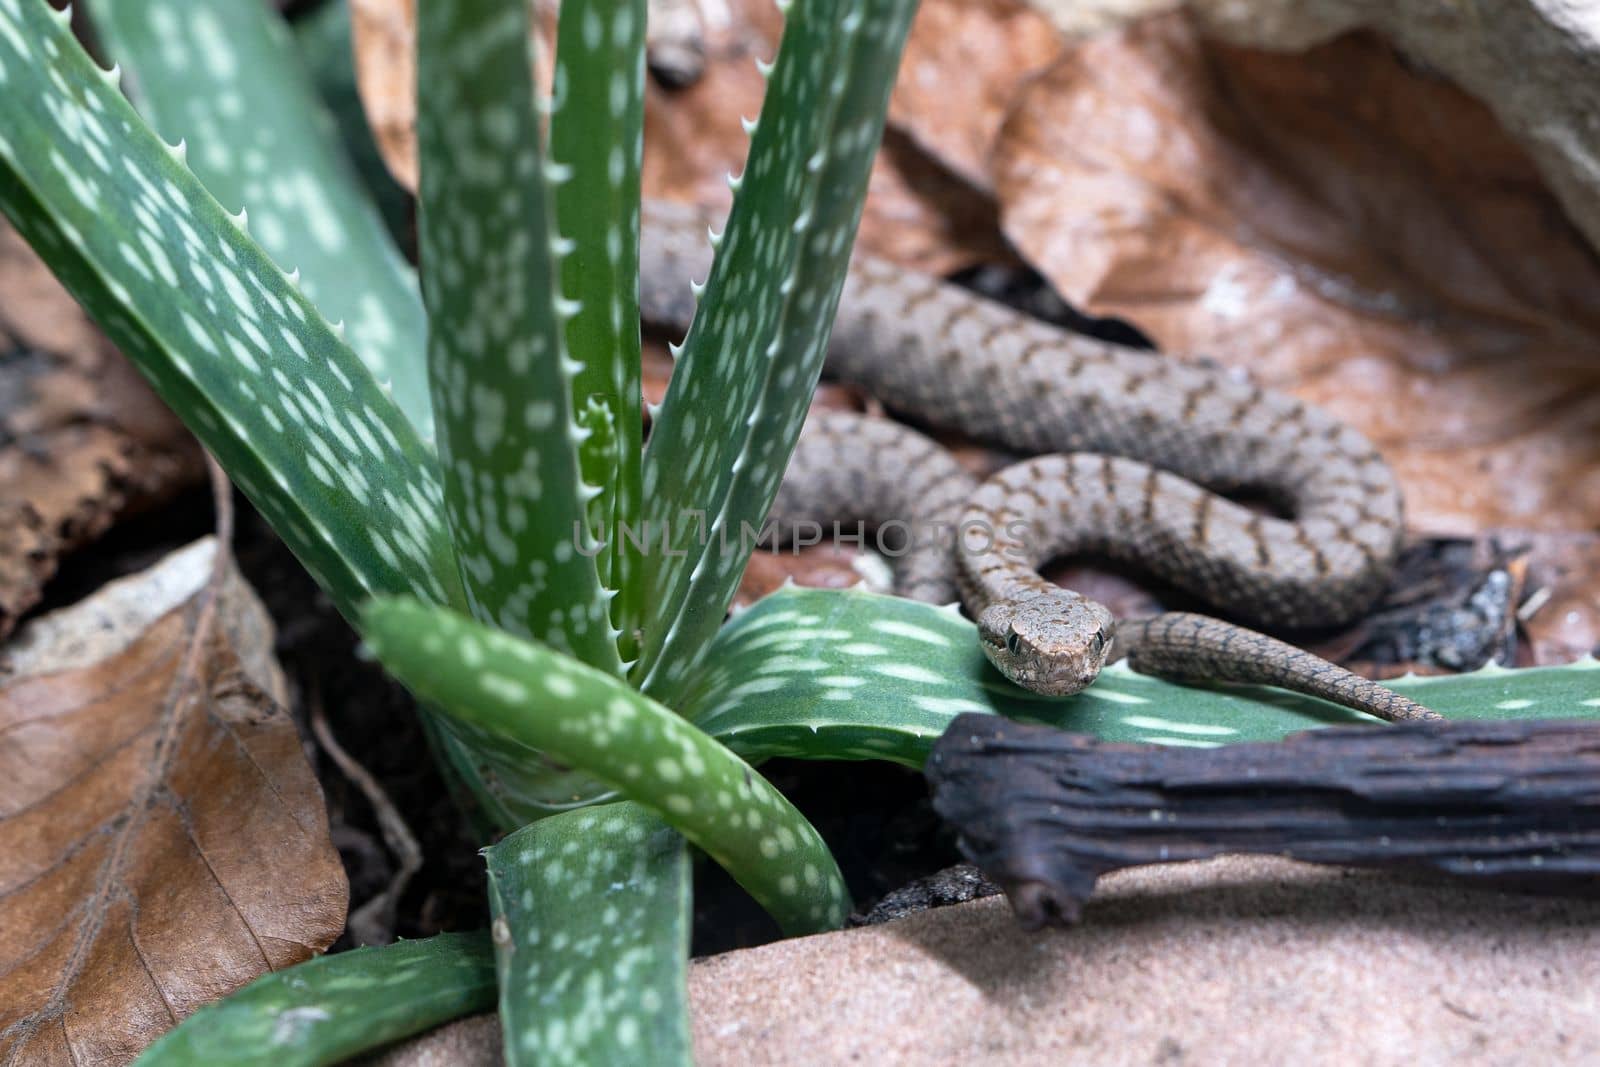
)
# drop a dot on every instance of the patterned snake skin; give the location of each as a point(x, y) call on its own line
point(1124, 441)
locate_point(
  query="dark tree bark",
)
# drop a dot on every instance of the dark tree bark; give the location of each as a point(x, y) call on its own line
point(1514, 804)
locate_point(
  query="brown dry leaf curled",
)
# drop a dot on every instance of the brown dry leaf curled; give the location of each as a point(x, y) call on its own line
point(1347, 228)
point(83, 440)
point(162, 839)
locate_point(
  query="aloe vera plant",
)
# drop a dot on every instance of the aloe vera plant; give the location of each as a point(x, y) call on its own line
point(448, 465)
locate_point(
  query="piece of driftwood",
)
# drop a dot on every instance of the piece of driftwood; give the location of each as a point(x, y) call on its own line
point(1044, 812)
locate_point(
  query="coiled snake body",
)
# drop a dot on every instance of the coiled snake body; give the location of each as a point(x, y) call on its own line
point(1133, 451)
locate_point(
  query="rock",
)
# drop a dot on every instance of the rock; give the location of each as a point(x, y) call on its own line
point(1230, 960)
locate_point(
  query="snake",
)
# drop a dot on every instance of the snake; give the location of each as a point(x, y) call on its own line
point(1133, 455)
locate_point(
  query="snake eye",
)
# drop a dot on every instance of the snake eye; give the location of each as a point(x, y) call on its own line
point(1097, 643)
point(1014, 643)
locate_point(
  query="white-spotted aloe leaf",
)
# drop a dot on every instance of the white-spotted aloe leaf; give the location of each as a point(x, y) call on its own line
point(185, 80)
point(223, 77)
point(508, 433)
point(244, 358)
point(512, 693)
point(740, 390)
point(591, 936)
point(324, 41)
point(596, 141)
point(249, 364)
point(329, 1009)
point(825, 674)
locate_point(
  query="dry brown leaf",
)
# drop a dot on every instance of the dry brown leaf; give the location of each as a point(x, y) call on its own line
point(917, 212)
point(383, 36)
point(83, 440)
point(1346, 228)
point(964, 64)
point(162, 838)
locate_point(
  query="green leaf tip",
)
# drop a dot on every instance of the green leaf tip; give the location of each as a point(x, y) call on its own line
point(331, 1008)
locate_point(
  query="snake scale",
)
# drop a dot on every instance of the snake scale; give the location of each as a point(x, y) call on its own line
point(1134, 452)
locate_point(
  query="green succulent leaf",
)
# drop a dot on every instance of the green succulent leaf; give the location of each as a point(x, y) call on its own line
point(596, 141)
point(592, 938)
point(742, 385)
point(244, 358)
point(223, 76)
point(501, 378)
point(334, 1007)
point(826, 674)
point(324, 39)
point(229, 342)
point(513, 693)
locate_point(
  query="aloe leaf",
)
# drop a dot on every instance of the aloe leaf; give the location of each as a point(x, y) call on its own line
point(508, 692)
point(249, 364)
point(333, 1007)
point(824, 674)
point(501, 379)
point(224, 77)
point(324, 40)
point(596, 140)
point(744, 380)
point(229, 51)
point(592, 938)
point(244, 358)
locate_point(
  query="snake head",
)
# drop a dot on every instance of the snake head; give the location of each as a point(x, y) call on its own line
point(1054, 643)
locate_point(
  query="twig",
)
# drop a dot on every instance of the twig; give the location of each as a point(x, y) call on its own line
point(373, 922)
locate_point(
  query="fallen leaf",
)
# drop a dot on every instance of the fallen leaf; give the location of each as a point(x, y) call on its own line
point(1531, 61)
point(917, 212)
point(83, 440)
point(162, 838)
point(1347, 228)
point(383, 35)
point(964, 64)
